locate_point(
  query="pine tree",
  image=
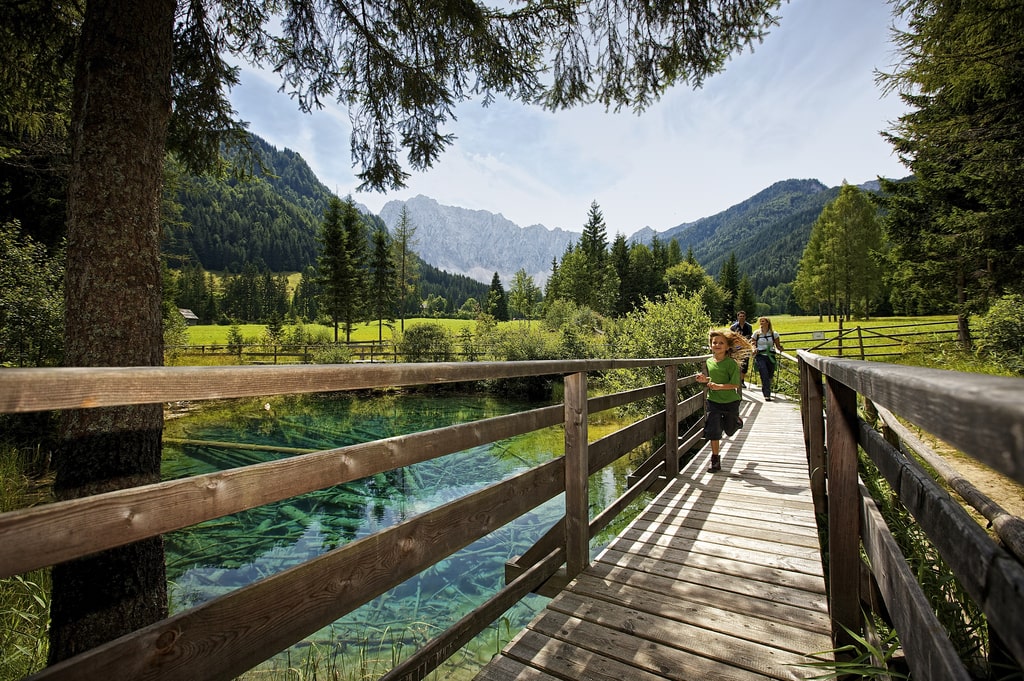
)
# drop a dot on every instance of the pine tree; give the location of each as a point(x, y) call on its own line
point(497, 300)
point(383, 293)
point(839, 267)
point(729, 280)
point(331, 263)
point(355, 294)
point(955, 225)
point(404, 243)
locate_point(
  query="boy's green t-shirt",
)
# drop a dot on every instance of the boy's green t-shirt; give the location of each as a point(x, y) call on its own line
point(728, 372)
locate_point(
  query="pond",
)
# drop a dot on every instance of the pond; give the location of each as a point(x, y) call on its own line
point(218, 556)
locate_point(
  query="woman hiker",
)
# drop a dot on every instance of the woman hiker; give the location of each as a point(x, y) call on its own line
point(766, 342)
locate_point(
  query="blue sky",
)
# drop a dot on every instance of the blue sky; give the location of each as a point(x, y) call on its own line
point(804, 104)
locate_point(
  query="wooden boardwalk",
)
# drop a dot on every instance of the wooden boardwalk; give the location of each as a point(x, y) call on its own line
point(719, 578)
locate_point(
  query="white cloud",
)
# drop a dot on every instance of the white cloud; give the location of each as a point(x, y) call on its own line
point(804, 104)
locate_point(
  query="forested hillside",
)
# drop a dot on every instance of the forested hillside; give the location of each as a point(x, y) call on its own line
point(767, 232)
point(270, 220)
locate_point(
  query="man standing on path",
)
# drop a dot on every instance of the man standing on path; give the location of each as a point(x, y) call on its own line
point(741, 327)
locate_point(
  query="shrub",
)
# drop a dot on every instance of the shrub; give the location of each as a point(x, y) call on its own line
point(674, 327)
point(332, 354)
point(997, 333)
point(518, 344)
point(426, 342)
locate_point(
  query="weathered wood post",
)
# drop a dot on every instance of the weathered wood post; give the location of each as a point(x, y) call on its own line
point(812, 403)
point(671, 421)
point(843, 511)
point(577, 519)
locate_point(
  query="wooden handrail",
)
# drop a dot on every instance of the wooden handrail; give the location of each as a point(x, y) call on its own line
point(983, 416)
point(230, 634)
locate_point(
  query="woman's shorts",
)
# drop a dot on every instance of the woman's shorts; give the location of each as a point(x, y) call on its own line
point(722, 418)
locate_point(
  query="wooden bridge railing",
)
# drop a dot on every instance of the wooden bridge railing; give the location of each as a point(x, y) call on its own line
point(234, 632)
point(983, 417)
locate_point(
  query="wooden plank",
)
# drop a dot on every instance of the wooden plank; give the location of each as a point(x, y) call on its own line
point(567, 661)
point(577, 524)
point(606, 450)
point(723, 562)
point(929, 651)
point(748, 620)
point(502, 668)
point(757, 529)
point(716, 542)
point(671, 421)
point(700, 585)
point(719, 578)
point(609, 627)
point(426, 659)
point(635, 648)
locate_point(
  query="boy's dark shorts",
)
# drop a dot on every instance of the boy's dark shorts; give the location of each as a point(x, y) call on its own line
point(722, 418)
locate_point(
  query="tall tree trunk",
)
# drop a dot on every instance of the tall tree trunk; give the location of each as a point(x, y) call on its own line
point(122, 103)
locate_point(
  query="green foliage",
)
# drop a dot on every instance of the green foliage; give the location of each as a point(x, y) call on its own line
point(24, 620)
point(426, 342)
point(587, 274)
point(524, 296)
point(675, 327)
point(343, 265)
point(497, 300)
point(31, 301)
point(406, 264)
point(997, 333)
point(270, 217)
point(840, 267)
point(767, 232)
point(334, 353)
point(175, 330)
point(961, 71)
point(729, 281)
point(858, 659)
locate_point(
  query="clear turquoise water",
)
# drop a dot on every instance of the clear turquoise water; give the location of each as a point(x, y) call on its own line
point(221, 555)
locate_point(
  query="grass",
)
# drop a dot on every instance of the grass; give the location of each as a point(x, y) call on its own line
point(211, 334)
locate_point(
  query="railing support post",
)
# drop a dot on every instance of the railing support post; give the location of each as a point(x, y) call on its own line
point(577, 517)
point(671, 421)
point(843, 511)
point(812, 403)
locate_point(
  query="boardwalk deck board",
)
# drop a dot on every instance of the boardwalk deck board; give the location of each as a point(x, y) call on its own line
point(719, 578)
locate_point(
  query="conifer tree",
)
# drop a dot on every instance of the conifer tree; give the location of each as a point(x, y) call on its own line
point(404, 244)
point(331, 263)
point(955, 225)
point(839, 268)
point(729, 280)
point(383, 293)
point(497, 300)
